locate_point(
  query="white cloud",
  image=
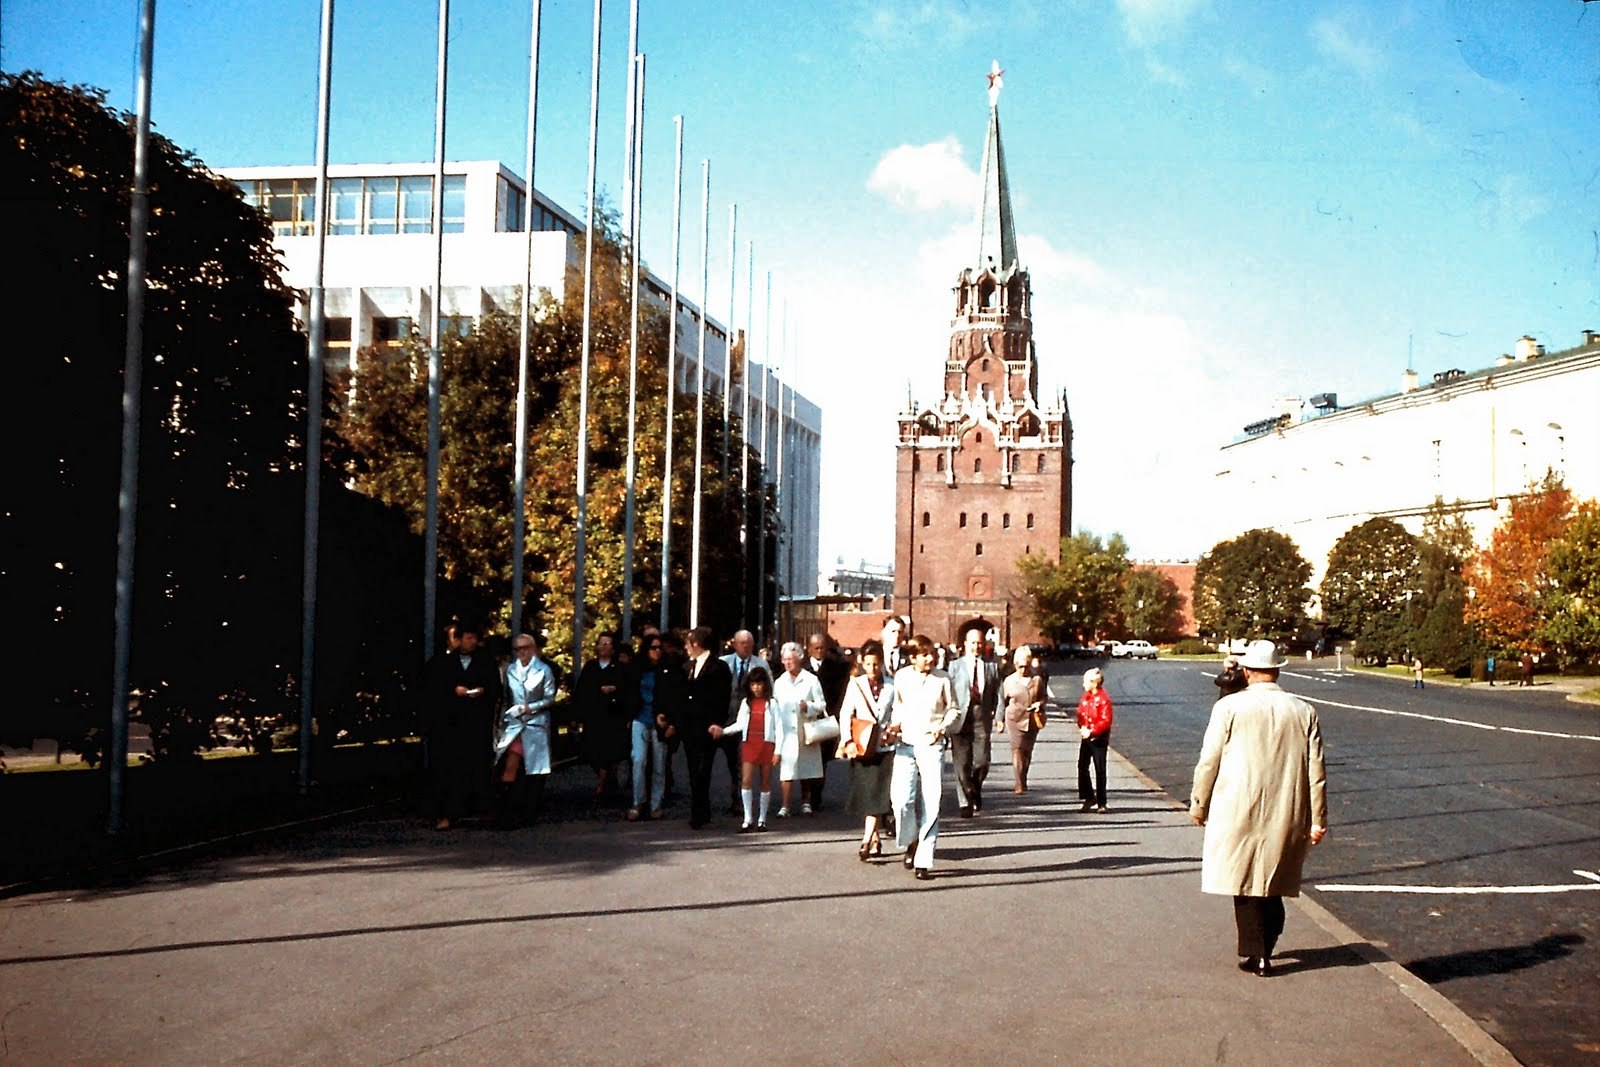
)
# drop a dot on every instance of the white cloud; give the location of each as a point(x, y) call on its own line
point(1149, 21)
point(910, 23)
point(1511, 202)
point(926, 177)
point(1163, 73)
point(1341, 43)
point(1251, 75)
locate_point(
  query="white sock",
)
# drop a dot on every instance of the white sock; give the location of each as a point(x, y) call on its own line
point(749, 798)
point(766, 801)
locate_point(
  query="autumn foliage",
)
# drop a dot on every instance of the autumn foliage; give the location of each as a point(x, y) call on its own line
point(1509, 579)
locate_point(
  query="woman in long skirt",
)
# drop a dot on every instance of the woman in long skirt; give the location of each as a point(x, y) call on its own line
point(867, 700)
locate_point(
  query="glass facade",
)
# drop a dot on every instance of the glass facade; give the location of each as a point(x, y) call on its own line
point(375, 206)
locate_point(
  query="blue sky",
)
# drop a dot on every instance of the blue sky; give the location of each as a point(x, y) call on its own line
point(1220, 203)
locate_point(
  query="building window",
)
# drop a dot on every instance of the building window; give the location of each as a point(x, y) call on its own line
point(1005, 521)
point(916, 460)
point(416, 205)
point(1437, 472)
point(963, 520)
point(977, 437)
point(980, 549)
point(1030, 520)
point(924, 518)
point(985, 365)
point(383, 206)
point(394, 331)
point(983, 520)
point(922, 588)
point(1041, 463)
point(1016, 462)
point(977, 466)
point(939, 463)
point(1027, 550)
point(344, 207)
point(512, 205)
point(921, 549)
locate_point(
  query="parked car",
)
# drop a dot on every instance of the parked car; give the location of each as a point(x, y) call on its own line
point(1135, 649)
point(1073, 650)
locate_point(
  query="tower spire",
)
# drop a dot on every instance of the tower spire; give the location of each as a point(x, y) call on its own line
point(997, 237)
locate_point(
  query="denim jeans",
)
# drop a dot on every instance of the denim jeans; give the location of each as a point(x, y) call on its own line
point(649, 751)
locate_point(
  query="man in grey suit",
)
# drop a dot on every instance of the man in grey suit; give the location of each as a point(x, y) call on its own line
point(976, 682)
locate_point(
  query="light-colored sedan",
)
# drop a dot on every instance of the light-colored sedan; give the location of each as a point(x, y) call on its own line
point(1136, 649)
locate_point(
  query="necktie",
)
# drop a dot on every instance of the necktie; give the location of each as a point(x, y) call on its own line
point(742, 668)
point(694, 669)
point(977, 694)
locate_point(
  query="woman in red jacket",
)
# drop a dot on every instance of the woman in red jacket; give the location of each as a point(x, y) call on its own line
point(1094, 727)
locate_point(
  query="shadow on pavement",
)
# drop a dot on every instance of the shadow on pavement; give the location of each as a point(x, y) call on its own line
point(1315, 959)
point(1500, 960)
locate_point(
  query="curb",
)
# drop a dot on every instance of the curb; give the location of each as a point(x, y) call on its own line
point(1473, 1038)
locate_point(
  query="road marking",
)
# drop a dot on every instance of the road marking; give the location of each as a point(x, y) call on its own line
point(1580, 887)
point(1312, 678)
point(1457, 722)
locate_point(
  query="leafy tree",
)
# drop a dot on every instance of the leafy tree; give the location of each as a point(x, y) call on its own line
point(1437, 630)
point(384, 430)
point(1150, 604)
point(1077, 596)
point(1508, 580)
point(1570, 604)
point(1373, 574)
point(1252, 586)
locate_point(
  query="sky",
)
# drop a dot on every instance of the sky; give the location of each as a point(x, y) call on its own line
point(1220, 204)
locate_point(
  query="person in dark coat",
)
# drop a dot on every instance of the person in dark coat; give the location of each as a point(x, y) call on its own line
point(708, 687)
point(461, 688)
point(602, 701)
point(833, 673)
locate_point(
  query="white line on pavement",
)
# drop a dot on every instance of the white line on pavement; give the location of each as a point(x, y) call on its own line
point(1456, 722)
point(1312, 678)
point(1580, 887)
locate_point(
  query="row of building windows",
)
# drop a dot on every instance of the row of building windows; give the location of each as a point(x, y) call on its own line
point(359, 205)
point(977, 463)
point(983, 520)
point(1027, 550)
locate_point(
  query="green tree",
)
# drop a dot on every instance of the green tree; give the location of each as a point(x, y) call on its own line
point(1373, 575)
point(1570, 603)
point(1077, 596)
point(1150, 604)
point(1438, 631)
point(383, 427)
point(1252, 586)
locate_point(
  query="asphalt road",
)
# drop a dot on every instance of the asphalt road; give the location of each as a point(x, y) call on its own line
point(1471, 789)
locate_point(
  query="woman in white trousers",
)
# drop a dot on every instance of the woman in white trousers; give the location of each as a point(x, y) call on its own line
point(924, 713)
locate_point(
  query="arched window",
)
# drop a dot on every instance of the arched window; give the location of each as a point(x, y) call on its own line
point(983, 520)
point(980, 548)
point(1030, 520)
point(1016, 462)
point(939, 462)
point(1041, 463)
point(925, 519)
point(985, 365)
point(977, 437)
point(963, 520)
point(977, 466)
point(1005, 521)
point(922, 588)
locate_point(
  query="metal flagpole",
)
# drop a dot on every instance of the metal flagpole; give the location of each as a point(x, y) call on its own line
point(314, 386)
point(630, 145)
point(744, 434)
point(430, 551)
point(634, 180)
point(761, 518)
point(132, 374)
point(519, 521)
point(700, 392)
point(794, 449)
point(727, 348)
point(780, 498)
point(588, 346)
point(672, 379)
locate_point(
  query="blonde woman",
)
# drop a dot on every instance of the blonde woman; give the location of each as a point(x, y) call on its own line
point(1094, 727)
point(1021, 694)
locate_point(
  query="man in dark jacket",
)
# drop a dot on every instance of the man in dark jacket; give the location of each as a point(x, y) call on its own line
point(601, 698)
point(708, 688)
point(833, 673)
point(461, 694)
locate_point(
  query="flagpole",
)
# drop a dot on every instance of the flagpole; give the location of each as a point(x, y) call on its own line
point(761, 518)
point(588, 346)
point(630, 138)
point(700, 392)
point(780, 498)
point(727, 348)
point(744, 433)
point(314, 387)
point(794, 457)
point(132, 375)
point(430, 551)
point(672, 379)
point(635, 177)
point(519, 524)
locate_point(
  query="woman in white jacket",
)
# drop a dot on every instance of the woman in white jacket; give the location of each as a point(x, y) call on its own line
point(924, 713)
point(867, 703)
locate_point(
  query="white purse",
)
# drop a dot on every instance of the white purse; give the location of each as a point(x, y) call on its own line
point(814, 731)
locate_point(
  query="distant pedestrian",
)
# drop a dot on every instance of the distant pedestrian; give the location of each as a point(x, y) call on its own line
point(1231, 680)
point(1527, 669)
point(1488, 668)
point(462, 690)
point(660, 683)
point(1260, 792)
point(1094, 732)
point(798, 700)
point(705, 705)
point(1416, 672)
point(603, 701)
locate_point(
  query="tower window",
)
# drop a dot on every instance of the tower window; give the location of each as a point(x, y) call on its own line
point(1005, 521)
point(980, 548)
point(916, 462)
point(925, 518)
point(963, 520)
point(983, 520)
point(977, 437)
point(939, 462)
point(921, 549)
point(1030, 520)
point(985, 365)
point(977, 466)
point(1016, 462)
point(1041, 464)
point(1027, 550)
point(922, 588)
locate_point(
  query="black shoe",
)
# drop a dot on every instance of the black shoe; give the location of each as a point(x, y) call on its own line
point(1088, 805)
point(966, 812)
point(747, 828)
point(1248, 964)
point(1263, 967)
point(923, 874)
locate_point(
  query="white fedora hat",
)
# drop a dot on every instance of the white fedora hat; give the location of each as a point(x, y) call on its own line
point(1261, 656)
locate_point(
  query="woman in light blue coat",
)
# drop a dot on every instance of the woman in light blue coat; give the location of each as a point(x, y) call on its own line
point(522, 748)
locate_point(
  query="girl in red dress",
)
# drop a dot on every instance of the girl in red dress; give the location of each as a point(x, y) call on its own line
point(758, 753)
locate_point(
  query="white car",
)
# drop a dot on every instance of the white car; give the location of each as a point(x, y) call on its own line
point(1137, 649)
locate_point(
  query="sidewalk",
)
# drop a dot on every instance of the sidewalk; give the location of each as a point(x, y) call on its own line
point(1046, 935)
point(1542, 683)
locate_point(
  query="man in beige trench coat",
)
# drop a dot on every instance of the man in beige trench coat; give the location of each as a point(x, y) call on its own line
point(1259, 791)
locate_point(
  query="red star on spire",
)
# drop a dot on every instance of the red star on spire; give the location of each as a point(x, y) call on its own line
point(993, 76)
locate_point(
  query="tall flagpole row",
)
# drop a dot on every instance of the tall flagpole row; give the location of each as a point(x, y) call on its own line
point(634, 182)
point(672, 378)
point(700, 392)
point(588, 347)
point(727, 348)
point(780, 493)
point(132, 378)
point(519, 522)
point(430, 551)
point(761, 521)
point(744, 434)
point(631, 138)
point(314, 387)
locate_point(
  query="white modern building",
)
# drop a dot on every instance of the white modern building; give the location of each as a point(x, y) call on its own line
point(1475, 439)
point(378, 278)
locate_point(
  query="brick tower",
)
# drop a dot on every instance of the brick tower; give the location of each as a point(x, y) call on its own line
point(983, 476)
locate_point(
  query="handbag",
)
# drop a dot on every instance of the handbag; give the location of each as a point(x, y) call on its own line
point(1038, 718)
point(813, 731)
